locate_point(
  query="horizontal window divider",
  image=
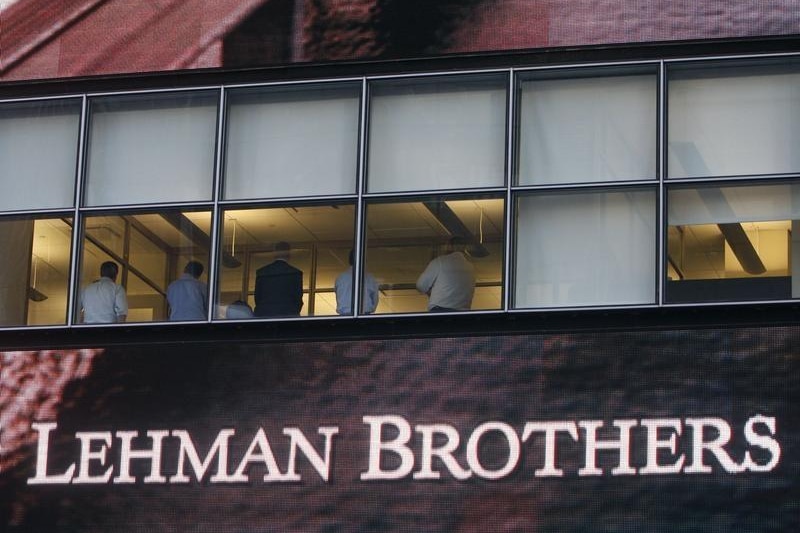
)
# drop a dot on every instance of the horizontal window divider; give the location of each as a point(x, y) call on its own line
point(41, 98)
point(438, 73)
point(285, 201)
point(155, 91)
point(598, 308)
point(570, 66)
point(114, 209)
point(320, 81)
point(773, 55)
point(721, 180)
point(417, 314)
point(429, 193)
point(722, 303)
point(60, 212)
point(604, 185)
point(44, 327)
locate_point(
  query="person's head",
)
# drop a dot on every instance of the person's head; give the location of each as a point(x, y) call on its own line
point(109, 270)
point(194, 269)
point(457, 243)
point(282, 250)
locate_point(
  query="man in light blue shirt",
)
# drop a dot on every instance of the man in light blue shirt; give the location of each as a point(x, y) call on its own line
point(344, 292)
point(187, 295)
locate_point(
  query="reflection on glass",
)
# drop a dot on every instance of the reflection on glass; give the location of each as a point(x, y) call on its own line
point(404, 237)
point(27, 131)
point(587, 129)
point(734, 121)
point(34, 271)
point(153, 148)
point(733, 243)
point(151, 250)
point(319, 236)
point(299, 141)
point(437, 134)
point(585, 248)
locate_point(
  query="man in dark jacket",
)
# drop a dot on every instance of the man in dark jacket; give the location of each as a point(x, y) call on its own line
point(279, 286)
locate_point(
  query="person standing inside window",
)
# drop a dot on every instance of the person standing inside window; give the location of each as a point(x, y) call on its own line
point(344, 291)
point(188, 296)
point(279, 286)
point(449, 280)
point(104, 301)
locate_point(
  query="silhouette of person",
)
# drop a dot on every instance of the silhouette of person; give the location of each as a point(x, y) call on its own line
point(279, 286)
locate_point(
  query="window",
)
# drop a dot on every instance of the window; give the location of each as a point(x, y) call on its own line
point(29, 130)
point(319, 238)
point(437, 133)
point(34, 271)
point(734, 120)
point(733, 243)
point(290, 141)
point(583, 248)
point(152, 148)
point(151, 250)
point(603, 168)
point(587, 129)
point(404, 236)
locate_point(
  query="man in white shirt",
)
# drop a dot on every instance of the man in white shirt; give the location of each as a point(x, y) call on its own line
point(103, 301)
point(449, 280)
point(344, 292)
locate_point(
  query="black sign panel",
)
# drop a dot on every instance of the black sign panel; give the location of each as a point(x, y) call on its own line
point(691, 430)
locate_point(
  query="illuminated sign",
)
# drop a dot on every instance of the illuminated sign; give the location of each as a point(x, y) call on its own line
point(657, 430)
point(96, 445)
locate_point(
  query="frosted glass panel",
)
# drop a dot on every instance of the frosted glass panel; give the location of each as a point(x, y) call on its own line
point(719, 205)
point(580, 249)
point(292, 143)
point(152, 149)
point(437, 135)
point(587, 130)
point(724, 124)
point(38, 150)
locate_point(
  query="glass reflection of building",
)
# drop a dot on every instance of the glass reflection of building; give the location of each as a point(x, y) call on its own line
point(639, 184)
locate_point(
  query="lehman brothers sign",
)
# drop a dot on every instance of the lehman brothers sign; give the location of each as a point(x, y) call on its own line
point(660, 440)
point(657, 431)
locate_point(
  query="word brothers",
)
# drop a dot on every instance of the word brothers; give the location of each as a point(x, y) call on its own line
point(493, 451)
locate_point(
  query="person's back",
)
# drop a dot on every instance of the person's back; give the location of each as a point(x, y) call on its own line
point(279, 286)
point(188, 296)
point(343, 288)
point(103, 301)
point(455, 284)
point(449, 280)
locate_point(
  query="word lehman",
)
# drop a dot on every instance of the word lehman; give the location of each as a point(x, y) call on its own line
point(393, 454)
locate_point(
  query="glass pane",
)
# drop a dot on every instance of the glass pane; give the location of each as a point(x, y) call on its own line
point(587, 129)
point(292, 142)
point(34, 272)
point(27, 131)
point(586, 248)
point(734, 121)
point(154, 148)
point(411, 253)
point(257, 270)
point(152, 252)
point(733, 243)
point(437, 134)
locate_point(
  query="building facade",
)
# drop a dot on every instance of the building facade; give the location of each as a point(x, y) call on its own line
point(621, 179)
